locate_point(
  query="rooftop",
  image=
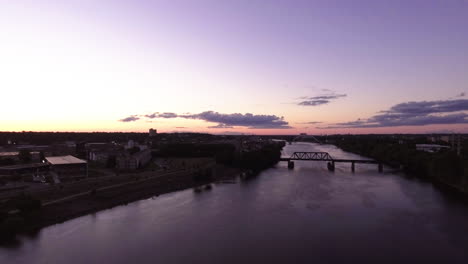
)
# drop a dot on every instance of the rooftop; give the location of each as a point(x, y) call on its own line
point(64, 160)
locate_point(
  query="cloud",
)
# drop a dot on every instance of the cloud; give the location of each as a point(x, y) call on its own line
point(162, 115)
point(224, 120)
point(131, 118)
point(462, 94)
point(221, 126)
point(429, 107)
point(153, 115)
point(320, 99)
point(415, 114)
point(313, 102)
point(310, 123)
point(246, 120)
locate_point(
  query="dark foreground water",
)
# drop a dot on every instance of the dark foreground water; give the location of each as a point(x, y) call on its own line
point(305, 215)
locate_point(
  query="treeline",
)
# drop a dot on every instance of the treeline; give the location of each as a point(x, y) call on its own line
point(265, 156)
point(47, 138)
point(222, 152)
point(444, 166)
point(17, 214)
point(260, 159)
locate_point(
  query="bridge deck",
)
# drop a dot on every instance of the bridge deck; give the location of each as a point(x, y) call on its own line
point(335, 160)
point(323, 156)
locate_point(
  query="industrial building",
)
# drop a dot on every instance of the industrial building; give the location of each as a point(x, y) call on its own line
point(27, 172)
point(67, 167)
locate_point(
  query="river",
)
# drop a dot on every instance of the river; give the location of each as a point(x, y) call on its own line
point(305, 215)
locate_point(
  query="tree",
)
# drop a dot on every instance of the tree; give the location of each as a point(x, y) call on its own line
point(7, 161)
point(24, 156)
point(41, 156)
point(111, 162)
point(134, 150)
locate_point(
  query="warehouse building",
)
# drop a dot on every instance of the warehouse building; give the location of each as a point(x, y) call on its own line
point(68, 167)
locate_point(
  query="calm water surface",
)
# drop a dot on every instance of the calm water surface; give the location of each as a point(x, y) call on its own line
point(305, 215)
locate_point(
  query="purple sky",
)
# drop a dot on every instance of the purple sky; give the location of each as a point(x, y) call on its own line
point(264, 58)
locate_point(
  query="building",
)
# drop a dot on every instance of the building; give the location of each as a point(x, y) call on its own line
point(14, 155)
point(99, 156)
point(27, 172)
point(101, 152)
point(67, 167)
point(135, 161)
point(430, 147)
point(152, 132)
point(130, 144)
point(445, 138)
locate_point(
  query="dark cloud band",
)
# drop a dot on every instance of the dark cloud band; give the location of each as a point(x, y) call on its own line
point(320, 100)
point(131, 118)
point(224, 120)
point(415, 114)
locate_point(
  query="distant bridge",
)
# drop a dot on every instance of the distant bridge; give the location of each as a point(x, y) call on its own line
point(306, 137)
point(324, 156)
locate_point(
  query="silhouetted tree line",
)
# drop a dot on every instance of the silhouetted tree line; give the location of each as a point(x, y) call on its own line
point(226, 154)
point(261, 159)
point(47, 138)
point(7, 161)
point(26, 209)
point(444, 166)
point(223, 153)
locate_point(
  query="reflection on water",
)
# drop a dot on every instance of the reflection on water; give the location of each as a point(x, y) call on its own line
point(303, 215)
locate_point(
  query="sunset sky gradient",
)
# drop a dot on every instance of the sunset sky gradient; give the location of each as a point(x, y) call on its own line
point(261, 67)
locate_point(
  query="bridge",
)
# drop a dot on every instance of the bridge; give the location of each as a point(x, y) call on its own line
point(307, 138)
point(324, 156)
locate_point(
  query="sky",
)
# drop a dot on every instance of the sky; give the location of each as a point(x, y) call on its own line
point(252, 67)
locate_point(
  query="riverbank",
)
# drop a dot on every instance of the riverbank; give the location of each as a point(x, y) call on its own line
point(444, 168)
point(60, 210)
point(34, 210)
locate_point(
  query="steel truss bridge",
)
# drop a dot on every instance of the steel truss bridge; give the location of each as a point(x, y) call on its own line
point(324, 156)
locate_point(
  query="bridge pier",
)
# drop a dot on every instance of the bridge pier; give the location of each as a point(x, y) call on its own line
point(331, 166)
point(352, 166)
point(380, 167)
point(290, 164)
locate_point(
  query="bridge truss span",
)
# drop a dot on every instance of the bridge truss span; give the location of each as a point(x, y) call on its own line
point(324, 156)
